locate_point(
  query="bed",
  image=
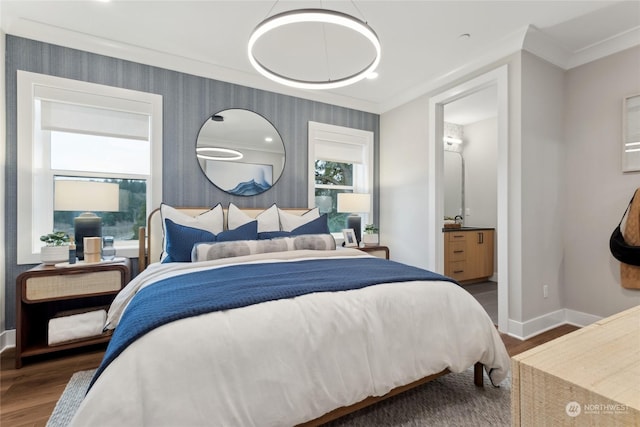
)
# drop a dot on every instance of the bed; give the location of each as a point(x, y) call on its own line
point(281, 330)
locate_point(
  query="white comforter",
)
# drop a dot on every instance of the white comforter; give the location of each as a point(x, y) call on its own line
point(285, 362)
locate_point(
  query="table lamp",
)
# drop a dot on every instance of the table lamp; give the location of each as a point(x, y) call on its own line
point(87, 197)
point(354, 203)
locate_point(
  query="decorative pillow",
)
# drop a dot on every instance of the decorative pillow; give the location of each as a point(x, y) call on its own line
point(316, 242)
point(179, 239)
point(212, 251)
point(289, 221)
point(268, 220)
point(316, 226)
point(248, 231)
point(211, 221)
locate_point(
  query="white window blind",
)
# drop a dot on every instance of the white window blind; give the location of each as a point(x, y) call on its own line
point(83, 130)
point(337, 146)
point(63, 117)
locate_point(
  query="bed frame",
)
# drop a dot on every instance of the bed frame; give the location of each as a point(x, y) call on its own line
point(151, 249)
point(150, 237)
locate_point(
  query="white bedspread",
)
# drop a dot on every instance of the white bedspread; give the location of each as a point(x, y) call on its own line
point(285, 362)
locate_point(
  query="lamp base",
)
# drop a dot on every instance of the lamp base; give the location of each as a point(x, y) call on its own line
point(355, 222)
point(86, 225)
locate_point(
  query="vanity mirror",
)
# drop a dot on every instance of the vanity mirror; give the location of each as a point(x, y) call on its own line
point(453, 183)
point(240, 152)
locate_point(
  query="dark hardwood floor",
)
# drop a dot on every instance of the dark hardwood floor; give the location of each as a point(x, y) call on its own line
point(28, 395)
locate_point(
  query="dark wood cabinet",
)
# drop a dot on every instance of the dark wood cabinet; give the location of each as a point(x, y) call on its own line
point(45, 291)
point(376, 250)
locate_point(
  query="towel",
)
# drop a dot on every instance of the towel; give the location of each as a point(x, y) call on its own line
point(76, 326)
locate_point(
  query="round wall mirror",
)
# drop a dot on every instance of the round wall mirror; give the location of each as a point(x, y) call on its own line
point(240, 152)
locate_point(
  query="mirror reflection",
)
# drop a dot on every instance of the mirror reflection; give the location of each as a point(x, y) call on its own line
point(240, 152)
point(453, 184)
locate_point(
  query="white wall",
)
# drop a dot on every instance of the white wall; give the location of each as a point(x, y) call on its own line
point(566, 191)
point(403, 182)
point(597, 192)
point(481, 169)
point(543, 213)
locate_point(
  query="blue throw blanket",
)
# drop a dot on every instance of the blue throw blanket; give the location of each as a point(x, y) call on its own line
point(237, 286)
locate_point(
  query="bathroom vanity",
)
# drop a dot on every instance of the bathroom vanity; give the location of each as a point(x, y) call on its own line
point(468, 253)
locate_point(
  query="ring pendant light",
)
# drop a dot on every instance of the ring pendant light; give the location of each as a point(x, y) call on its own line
point(317, 16)
point(207, 153)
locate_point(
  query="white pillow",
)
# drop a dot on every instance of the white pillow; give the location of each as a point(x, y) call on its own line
point(211, 220)
point(268, 220)
point(289, 221)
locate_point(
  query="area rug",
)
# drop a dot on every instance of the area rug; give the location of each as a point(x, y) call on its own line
point(451, 400)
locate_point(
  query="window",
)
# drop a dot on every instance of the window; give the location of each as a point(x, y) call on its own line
point(341, 161)
point(82, 131)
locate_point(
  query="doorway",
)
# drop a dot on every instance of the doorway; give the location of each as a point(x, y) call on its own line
point(497, 78)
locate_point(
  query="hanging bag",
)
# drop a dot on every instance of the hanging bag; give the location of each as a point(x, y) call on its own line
point(620, 250)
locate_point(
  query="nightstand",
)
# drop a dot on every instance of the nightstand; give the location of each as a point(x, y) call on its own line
point(376, 250)
point(45, 291)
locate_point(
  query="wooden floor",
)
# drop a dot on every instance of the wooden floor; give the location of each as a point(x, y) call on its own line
point(28, 395)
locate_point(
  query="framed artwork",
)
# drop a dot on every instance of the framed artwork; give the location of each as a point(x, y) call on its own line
point(349, 238)
point(240, 179)
point(631, 134)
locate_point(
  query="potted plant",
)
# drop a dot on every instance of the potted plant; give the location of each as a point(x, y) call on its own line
point(56, 249)
point(370, 236)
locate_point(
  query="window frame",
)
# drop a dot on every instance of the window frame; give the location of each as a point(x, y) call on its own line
point(35, 217)
point(363, 172)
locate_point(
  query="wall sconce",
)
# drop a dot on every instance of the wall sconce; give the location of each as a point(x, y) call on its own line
point(452, 140)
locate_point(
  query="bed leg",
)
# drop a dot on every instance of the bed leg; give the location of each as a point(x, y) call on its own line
point(478, 377)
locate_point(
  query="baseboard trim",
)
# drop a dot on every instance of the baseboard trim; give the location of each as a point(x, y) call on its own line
point(540, 324)
point(577, 318)
point(7, 339)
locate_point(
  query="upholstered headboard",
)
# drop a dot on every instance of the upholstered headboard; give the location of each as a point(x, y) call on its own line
point(150, 237)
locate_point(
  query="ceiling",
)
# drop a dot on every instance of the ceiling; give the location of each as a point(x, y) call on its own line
point(422, 47)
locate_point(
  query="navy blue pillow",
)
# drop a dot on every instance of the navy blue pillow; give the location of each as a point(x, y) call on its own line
point(317, 226)
point(268, 235)
point(248, 231)
point(180, 240)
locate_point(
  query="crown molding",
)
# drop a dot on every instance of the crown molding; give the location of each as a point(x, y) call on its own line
point(76, 40)
point(527, 38)
point(547, 48)
point(618, 43)
point(503, 48)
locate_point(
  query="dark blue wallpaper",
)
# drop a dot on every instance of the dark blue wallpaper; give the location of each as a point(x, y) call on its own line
point(187, 101)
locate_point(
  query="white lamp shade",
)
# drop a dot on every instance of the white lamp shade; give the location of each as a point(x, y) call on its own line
point(72, 195)
point(354, 202)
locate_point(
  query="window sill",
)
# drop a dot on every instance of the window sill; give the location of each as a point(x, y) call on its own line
point(127, 250)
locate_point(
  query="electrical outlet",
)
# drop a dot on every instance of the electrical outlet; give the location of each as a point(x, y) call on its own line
point(545, 291)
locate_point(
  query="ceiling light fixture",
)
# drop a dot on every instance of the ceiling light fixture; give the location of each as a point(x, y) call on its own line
point(317, 16)
point(201, 153)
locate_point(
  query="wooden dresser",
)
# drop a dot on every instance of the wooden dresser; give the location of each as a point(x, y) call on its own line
point(468, 254)
point(589, 377)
